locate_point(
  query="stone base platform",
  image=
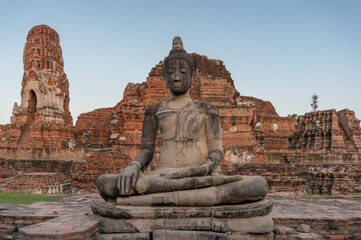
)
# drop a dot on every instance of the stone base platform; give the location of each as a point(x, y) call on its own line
point(330, 218)
point(69, 227)
point(244, 221)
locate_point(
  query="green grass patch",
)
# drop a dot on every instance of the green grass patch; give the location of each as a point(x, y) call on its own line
point(23, 198)
point(354, 199)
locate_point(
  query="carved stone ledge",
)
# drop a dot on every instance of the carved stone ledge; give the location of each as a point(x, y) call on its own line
point(248, 210)
point(249, 218)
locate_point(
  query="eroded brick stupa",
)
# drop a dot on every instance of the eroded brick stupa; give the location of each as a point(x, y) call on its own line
point(255, 138)
point(249, 125)
point(252, 131)
point(43, 118)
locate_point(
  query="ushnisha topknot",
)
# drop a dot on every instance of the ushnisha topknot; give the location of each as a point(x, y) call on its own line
point(178, 52)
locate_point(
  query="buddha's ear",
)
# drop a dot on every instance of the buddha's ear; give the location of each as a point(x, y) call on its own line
point(165, 77)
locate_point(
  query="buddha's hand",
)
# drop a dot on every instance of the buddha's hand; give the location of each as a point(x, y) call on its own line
point(202, 170)
point(191, 172)
point(176, 175)
point(172, 174)
point(127, 179)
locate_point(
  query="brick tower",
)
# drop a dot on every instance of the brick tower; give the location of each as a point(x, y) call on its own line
point(43, 116)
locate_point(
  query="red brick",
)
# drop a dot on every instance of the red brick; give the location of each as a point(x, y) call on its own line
point(65, 234)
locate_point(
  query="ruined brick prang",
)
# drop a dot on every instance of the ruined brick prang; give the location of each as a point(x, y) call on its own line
point(248, 124)
point(43, 118)
point(332, 133)
point(44, 76)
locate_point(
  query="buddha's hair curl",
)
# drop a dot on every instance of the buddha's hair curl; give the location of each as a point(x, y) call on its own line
point(179, 54)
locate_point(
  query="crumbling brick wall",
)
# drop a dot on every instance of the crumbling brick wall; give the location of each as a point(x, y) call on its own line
point(98, 163)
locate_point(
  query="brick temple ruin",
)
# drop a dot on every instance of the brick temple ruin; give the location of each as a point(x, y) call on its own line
point(43, 118)
point(319, 152)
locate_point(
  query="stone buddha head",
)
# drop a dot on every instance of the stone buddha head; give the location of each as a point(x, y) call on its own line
point(178, 69)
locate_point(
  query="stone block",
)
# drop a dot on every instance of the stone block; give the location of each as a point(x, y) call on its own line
point(261, 224)
point(250, 236)
point(250, 218)
point(283, 230)
point(110, 225)
point(188, 235)
point(148, 225)
point(304, 228)
point(124, 236)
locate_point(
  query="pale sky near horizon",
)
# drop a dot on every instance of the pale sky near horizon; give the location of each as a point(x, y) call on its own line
point(280, 51)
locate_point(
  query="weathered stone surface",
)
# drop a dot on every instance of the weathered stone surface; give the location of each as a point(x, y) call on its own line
point(62, 228)
point(283, 230)
point(303, 232)
point(251, 236)
point(111, 225)
point(306, 236)
point(254, 225)
point(43, 118)
point(124, 236)
point(261, 224)
point(247, 210)
point(250, 218)
point(191, 224)
point(188, 235)
point(304, 228)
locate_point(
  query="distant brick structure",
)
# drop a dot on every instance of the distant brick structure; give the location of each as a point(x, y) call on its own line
point(256, 139)
point(327, 136)
point(249, 125)
point(254, 135)
point(43, 118)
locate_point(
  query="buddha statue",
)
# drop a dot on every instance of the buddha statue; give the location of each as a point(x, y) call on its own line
point(188, 170)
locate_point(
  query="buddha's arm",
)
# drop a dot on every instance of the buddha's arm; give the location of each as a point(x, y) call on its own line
point(214, 143)
point(213, 159)
point(129, 175)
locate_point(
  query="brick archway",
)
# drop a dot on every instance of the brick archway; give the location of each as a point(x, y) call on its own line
point(32, 102)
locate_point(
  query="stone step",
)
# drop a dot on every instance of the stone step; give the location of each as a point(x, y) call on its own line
point(124, 236)
point(251, 217)
point(184, 235)
point(63, 227)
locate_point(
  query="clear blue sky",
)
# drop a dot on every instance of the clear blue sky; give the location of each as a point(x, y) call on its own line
point(282, 51)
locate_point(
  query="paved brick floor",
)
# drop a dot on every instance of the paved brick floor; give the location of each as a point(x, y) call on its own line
point(315, 209)
point(70, 210)
point(79, 204)
point(69, 205)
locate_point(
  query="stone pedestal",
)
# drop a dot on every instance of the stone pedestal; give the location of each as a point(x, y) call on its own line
point(244, 221)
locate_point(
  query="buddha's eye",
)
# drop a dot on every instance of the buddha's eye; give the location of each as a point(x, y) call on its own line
point(183, 70)
point(170, 70)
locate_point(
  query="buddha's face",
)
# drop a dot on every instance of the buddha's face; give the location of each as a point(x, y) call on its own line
point(178, 76)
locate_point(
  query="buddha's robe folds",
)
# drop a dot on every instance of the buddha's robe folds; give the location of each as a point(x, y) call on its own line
point(188, 135)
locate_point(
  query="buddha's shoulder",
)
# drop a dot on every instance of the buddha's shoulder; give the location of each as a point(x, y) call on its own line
point(205, 106)
point(152, 109)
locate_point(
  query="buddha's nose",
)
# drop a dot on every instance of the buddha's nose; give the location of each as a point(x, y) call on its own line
point(177, 77)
